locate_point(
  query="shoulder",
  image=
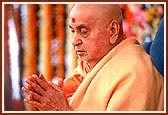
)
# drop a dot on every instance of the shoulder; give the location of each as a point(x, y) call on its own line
point(132, 61)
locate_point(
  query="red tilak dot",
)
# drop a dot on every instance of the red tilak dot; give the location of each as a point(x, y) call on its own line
point(73, 20)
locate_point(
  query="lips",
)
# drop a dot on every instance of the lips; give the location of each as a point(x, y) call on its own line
point(80, 52)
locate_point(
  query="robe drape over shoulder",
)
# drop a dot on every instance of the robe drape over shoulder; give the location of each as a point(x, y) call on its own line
point(124, 80)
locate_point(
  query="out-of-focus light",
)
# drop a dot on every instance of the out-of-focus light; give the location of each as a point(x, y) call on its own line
point(14, 59)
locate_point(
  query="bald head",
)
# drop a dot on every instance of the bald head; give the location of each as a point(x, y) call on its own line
point(97, 28)
point(105, 12)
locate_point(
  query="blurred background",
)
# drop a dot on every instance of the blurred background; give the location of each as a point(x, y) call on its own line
point(37, 40)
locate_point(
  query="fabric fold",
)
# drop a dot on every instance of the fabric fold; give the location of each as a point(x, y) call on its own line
point(124, 79)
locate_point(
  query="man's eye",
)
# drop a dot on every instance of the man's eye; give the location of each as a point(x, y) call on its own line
point(84, 32)
point(72, 31)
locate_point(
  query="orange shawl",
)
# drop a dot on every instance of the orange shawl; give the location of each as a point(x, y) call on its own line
point(124, 80)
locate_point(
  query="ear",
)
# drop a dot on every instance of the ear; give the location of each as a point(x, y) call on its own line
point(114, 28)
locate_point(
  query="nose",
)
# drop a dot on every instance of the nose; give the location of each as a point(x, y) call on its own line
point(76, 40)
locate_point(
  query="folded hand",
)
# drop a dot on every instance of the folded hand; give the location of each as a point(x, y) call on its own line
point(46, 95)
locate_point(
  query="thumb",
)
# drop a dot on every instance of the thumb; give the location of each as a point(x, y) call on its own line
point(60, 82)
point(56, 87)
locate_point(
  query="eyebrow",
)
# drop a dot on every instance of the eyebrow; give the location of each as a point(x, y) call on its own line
point(79, 26)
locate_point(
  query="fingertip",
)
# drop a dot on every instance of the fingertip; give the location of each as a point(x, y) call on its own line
point(27, 80)
point(32, 79)
point(49, 82)
point(34, 75)
point(23, 88)
point(25, 100)
point(30, 97)
point(41, 75)
point(29, 87)
point(60, 80)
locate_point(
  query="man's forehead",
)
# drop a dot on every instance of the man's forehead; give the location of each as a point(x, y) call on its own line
point(82, 17)
point(82, 10)
point(75, 23)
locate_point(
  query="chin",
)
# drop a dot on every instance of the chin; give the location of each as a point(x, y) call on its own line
point(85, 58)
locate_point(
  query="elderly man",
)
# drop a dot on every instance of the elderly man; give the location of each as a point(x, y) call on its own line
point(113, 73)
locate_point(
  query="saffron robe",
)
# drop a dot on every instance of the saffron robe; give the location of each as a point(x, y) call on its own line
point(124, 80)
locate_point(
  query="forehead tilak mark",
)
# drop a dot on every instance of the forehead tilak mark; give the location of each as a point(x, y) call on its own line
point(73, 20)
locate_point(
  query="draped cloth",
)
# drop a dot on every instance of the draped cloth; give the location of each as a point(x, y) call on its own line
point(123, 80)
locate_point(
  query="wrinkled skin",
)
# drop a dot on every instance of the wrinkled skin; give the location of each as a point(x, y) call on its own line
point(96, 30)
point(45, 95)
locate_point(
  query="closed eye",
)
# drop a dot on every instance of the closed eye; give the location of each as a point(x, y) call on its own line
point(81, 29)
point(72, 30)
point(84, 32)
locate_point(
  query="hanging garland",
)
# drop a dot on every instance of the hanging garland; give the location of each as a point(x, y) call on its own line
point(60, 35)
point(30, 40)
point(46, 36)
